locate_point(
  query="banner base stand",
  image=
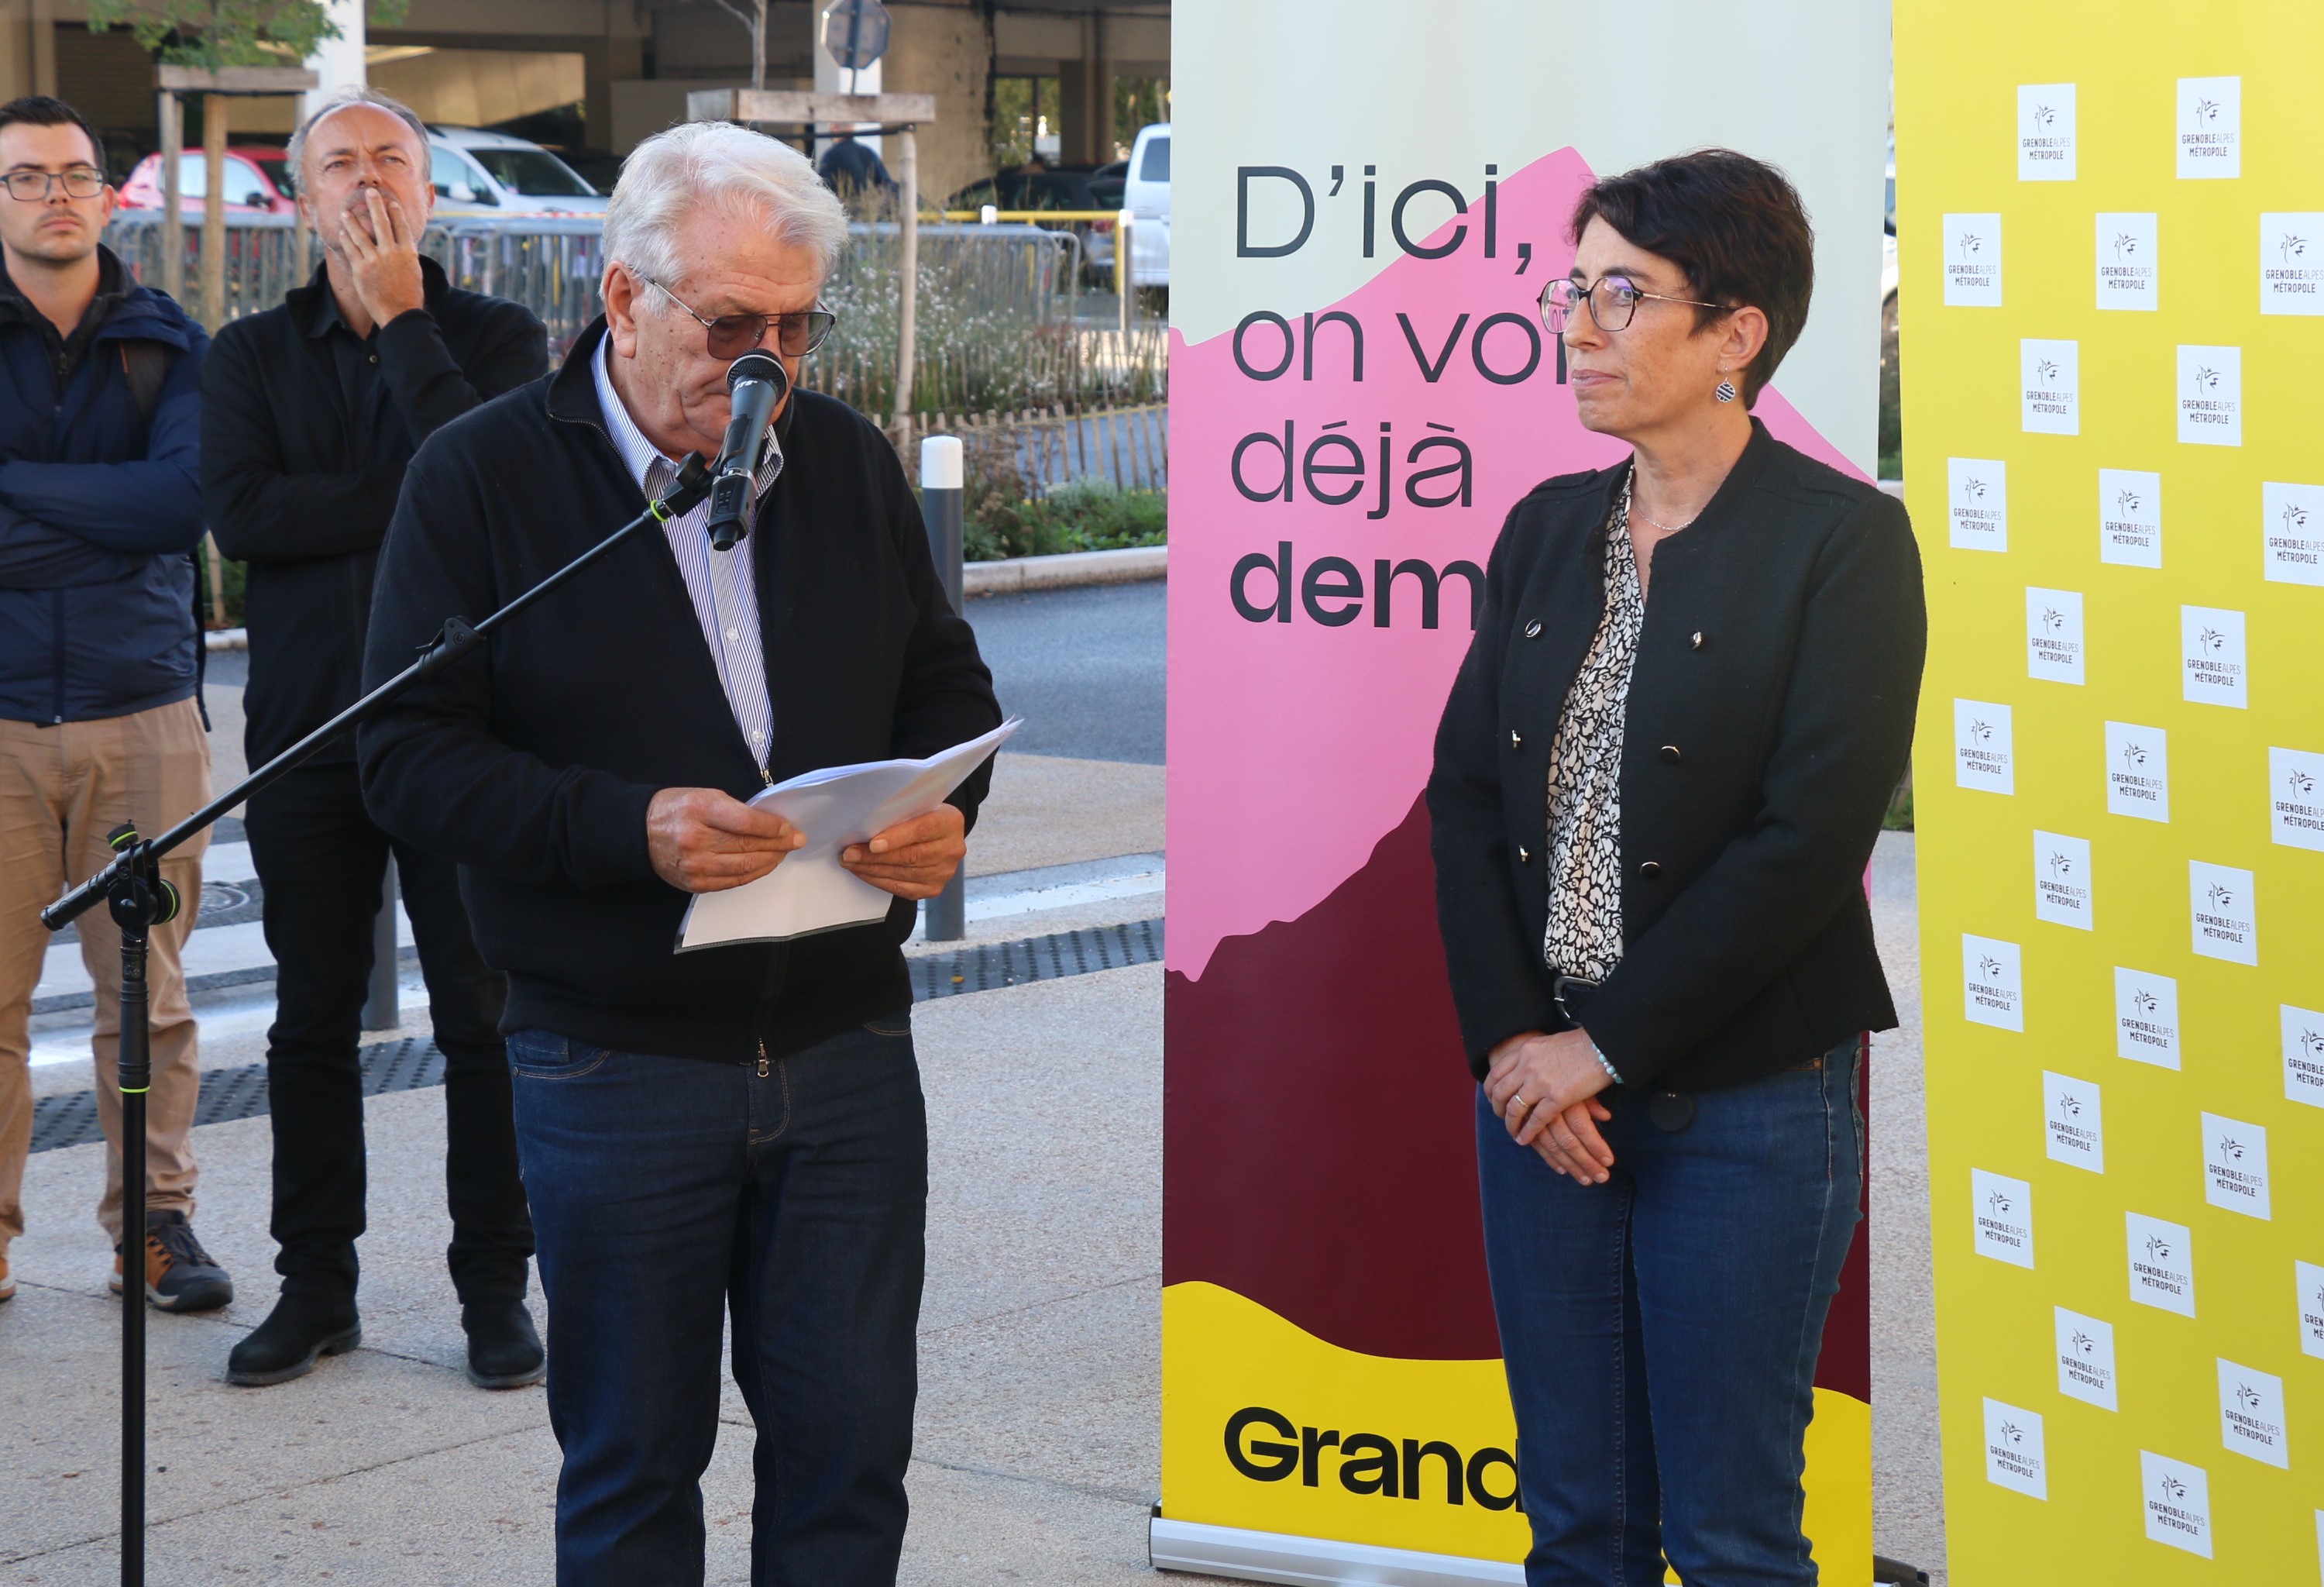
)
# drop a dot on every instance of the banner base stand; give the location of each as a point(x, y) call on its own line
point(1313, 1562)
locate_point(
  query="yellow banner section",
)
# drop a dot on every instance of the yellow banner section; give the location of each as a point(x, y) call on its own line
point(1266, 1427)
point(2113, 322)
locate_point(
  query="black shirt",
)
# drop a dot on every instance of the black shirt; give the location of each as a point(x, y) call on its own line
point(305, 432)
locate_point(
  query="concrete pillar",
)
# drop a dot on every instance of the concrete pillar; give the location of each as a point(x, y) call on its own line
point(337, 63)
point(617, 60)
point(1085, 87)
point(945, 50)
point(15, 48)
point(45, 46)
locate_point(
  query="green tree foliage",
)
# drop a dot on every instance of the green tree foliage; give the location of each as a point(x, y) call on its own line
point(215, 33)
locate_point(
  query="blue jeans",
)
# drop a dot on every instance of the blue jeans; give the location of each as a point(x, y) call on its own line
point(1660, 1331)
point(668, 1191)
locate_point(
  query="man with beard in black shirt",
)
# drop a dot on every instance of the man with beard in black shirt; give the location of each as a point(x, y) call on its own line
point(310, 413)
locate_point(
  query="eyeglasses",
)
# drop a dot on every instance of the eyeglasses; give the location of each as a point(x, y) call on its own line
point(733, 334)
point(1613, 303)
point(82, 181)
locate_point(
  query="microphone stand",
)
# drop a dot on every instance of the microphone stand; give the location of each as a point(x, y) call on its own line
point(138, 899)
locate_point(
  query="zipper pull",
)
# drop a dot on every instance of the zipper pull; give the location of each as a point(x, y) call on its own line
point(764, 1063)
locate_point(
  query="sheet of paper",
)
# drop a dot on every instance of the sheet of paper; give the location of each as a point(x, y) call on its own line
point(838, 805)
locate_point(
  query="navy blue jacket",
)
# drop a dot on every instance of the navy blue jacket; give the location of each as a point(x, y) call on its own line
point(97, 514)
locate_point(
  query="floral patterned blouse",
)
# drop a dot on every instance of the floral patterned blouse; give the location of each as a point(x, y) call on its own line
point(1584, 937)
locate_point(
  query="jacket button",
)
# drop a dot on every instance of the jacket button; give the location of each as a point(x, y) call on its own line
point(1670, 754)
point(1650, 869)
point(1524, 855)
point(1694, 641)
point(1516, 743)
point(1533, 629)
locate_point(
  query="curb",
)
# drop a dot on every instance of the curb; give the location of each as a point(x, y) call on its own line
point(1070, 571)
point(226, 638)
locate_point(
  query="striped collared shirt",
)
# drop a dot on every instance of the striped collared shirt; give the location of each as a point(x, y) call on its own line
point(719, 583)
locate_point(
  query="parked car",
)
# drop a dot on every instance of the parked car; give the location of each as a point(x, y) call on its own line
point(257, 182)
point(1147, 197)
point(1050, 189)
point(479, 172)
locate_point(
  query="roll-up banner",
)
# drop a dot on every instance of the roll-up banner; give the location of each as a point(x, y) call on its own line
point(1368, 202)
point(2113, 291)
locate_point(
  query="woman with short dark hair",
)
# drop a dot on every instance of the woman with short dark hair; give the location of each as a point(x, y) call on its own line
point(1652, 819)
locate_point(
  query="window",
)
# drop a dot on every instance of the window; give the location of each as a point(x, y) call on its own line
point(534, 172)
point(243, 183)
point(453, 176)
point(1155, 166)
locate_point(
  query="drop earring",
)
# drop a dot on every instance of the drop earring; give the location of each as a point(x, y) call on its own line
point(1725, 392)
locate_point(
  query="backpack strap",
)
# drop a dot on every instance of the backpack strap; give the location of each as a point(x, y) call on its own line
point(146, 364)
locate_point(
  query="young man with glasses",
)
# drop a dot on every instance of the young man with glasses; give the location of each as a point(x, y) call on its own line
point(736, 1129)
point(311, 412)
point(99, 719)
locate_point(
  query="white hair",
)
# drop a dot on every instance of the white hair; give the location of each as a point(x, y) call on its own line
point(746, 174)
point(343, 99)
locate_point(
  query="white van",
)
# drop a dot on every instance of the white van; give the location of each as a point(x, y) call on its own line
point(477, 172)
point(1147, 195)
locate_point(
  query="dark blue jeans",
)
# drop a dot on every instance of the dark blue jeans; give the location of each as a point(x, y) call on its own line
point(667, 1192)
point(1660, 1331)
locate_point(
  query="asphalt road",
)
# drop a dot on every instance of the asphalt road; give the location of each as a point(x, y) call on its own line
point(1083, 667)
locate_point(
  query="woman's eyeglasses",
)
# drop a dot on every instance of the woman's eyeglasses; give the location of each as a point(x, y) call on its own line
point(1613, 303)
point(82, 181)
point(733, 334)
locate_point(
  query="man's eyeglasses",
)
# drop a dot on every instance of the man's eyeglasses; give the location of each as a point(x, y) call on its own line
point(1613, 303)
point(733, 334)
point(82, 181)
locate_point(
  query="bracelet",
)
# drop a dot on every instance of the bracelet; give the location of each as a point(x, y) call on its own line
point(1612, 1074)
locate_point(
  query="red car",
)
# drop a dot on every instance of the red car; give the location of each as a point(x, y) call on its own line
point(257, 182)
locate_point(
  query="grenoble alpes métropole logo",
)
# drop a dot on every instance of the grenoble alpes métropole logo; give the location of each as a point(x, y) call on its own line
point(2291, 263)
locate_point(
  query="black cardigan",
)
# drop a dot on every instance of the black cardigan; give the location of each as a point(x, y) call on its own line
point(533, 768)
point(295, 486)
point(1770, 715)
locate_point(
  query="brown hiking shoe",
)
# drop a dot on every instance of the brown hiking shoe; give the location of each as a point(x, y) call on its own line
point(180, 1275)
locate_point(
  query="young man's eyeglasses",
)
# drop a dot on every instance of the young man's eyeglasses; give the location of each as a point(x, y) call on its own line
point(733, 334)
point(82, 181)
point(1613, 303)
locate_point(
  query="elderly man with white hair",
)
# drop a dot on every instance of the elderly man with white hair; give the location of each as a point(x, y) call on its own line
point(732, 1130)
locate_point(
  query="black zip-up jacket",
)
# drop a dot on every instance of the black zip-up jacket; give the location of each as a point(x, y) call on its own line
point(300, 485)
point(534, 766)
point(1769, 717)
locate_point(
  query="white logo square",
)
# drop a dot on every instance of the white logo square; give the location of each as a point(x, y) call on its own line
point(2146, 1017)
point(2138, 772)
point(2126, 262)
point(2308, 1286)
point(2211, 127)
point(1978, 503)
point(1993, 983)
point(2211, 657)
point(2210, 396)
point(1982, 753)
point(2130, 518)
point(2161, 1264)
point(2004, 1213)
point(2235, 1165)
point(2086, 1360)
point(2075, 1125)
point(2178, 1503)
point(2222, 913)
point(2251, 1413)
point(2062, 880)
point(2053, 634)
point(2013, 1449)
point(1973, 261)
point(2050, 381)
point(2292, 531)
point(2304, 1054)
point(2046, 133)
point(2292, 262)
point(2295, 799)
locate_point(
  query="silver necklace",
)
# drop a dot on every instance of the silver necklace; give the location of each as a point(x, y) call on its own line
point(1666, 527)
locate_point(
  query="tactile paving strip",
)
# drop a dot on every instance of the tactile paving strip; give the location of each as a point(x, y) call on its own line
point(414, 1062)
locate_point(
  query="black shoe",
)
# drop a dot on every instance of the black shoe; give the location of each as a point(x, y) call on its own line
point(285, 1345)
point(504, 1348)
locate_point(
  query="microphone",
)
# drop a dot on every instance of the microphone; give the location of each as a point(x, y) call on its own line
point(755, 382)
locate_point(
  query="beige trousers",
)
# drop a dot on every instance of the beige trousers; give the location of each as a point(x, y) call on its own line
point(61, 789)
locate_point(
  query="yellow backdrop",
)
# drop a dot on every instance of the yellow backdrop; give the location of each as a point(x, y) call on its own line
point(2113, 328)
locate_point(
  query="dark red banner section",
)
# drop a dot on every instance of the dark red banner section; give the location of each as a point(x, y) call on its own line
point(1320, 1147)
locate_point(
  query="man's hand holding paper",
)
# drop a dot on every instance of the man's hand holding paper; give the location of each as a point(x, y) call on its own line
point(913, 859)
